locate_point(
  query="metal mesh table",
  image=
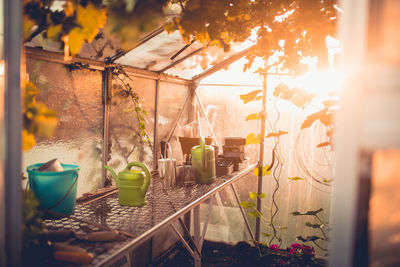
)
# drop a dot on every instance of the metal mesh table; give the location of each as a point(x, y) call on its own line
point(162, 207)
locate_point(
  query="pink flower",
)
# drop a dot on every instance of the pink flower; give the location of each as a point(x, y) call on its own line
point(282, 262)
point(292, 251)
point(274, 247)
point(296, 246)
point(307, 250)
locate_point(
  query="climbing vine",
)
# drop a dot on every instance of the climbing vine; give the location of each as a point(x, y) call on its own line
point(126, 90)
point(326, 110)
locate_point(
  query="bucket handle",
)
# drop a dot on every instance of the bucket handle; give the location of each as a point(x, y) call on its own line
point(66, 194)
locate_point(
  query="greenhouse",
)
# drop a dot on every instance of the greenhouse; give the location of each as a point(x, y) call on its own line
point(199, 133)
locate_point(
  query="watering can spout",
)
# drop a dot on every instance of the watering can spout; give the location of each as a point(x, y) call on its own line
point(113, 174)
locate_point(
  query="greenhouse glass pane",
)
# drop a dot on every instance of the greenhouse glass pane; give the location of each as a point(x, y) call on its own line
point(126, 143)
point(76, 97)
point(225, 222)
point(310, 167)
point(171, 100)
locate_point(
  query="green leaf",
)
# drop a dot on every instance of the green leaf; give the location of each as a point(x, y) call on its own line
point(255, 214)
point(265, 171)
point(276, 134)
point(324, 116)
point(324, 144)
point(262, 195)
point(315, 226)
point(253, 116)
point(250, 96)
point(329, 103)
point(251, 205)
point(308, 238)
point(260, 70)
point(282, 89)
point(246, 204)
point(300, 100)
point(310, 212)
point(265, 234)
point(127, 110)
point(252, 139)
point(296, 178)
point(253, 195)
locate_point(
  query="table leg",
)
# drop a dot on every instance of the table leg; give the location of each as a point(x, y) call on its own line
point(197, 237)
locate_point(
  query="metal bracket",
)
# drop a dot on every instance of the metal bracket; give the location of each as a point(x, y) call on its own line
point(198, 239)
point(185, 244)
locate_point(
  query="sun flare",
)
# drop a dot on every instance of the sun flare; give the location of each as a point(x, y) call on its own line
point(320, 83)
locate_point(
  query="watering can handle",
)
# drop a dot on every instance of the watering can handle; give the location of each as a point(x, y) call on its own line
point(146, 171)
point(167, 146)
point(203, 153)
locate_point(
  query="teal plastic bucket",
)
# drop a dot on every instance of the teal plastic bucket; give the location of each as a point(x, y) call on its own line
point(56, 191)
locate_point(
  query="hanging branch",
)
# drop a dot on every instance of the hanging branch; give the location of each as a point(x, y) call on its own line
point(140, 112)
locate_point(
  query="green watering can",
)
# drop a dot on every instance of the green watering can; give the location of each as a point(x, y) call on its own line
point(132, 184)
point(203, 163)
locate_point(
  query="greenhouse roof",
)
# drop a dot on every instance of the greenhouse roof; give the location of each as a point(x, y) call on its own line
point(159, 52)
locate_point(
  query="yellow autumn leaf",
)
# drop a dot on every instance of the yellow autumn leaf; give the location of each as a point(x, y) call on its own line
point(170, 27)
point(253, 116)
point(76, 40)
point(69, 8)
point(28, 140)
point(90, 20)
point(202, 37)
point(27, 27)
point(46, 124)
point(225, 36)
point(30, 93)
point(252, 139)
point(54, 31)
